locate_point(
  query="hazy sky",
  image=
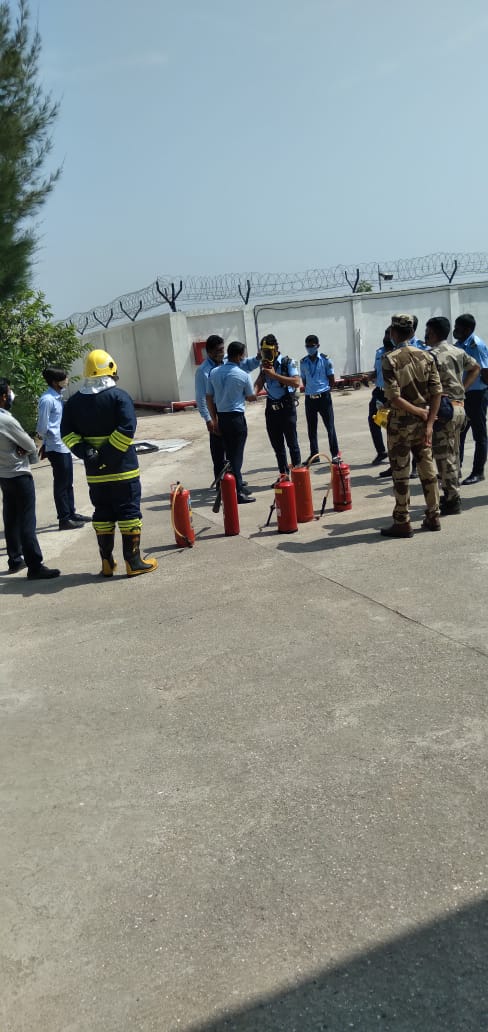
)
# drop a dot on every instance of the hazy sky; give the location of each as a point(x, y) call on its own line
point(206, 136)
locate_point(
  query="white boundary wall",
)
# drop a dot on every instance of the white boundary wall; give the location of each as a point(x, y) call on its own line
point(156, 359)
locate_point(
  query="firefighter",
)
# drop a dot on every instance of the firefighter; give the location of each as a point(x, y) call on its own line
point(279, 376)
point(98, 425)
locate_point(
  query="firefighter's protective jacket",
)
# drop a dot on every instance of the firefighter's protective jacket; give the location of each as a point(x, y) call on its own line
point(105, 421)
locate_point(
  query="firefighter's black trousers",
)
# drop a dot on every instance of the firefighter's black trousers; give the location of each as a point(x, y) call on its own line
point(281, 424)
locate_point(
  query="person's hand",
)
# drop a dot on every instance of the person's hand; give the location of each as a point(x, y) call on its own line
point(272, 374)
point(424, 414)
point(210, 426)
point(20, 451)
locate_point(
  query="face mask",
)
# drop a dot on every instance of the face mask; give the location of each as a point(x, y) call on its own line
point(11, 398)
point(312, 349)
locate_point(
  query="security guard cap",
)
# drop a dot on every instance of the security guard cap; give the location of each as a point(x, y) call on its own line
point(100, 363)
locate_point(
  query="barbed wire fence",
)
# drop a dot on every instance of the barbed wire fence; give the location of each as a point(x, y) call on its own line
point(268, 285)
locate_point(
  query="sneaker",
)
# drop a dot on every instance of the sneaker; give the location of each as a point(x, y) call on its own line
point(381, 457)
point(16, 566)
point(70, 524)
point(398, 530)
point(431, 523)
point(42, 573)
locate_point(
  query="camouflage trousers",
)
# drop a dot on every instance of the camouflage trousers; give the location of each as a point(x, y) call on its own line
point(406, 435)
point(445, 449)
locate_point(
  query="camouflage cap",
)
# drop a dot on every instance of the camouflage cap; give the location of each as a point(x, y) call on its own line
point(404, 322)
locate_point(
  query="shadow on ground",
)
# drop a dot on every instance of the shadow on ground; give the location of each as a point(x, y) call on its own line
point(434, 979)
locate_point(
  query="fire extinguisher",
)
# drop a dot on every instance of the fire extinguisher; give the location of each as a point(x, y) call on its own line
point(286, 507)
point(341, 485)
point(300, 476)
point(229, 504)
point(181, 516)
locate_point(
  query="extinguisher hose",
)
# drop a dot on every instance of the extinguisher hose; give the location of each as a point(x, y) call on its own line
point(323, 455)
point(178, 489)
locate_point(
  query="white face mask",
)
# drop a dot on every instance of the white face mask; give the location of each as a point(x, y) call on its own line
point(11, 396)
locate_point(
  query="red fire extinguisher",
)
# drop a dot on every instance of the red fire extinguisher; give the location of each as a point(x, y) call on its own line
point(286, 507)
point(181, 516)
point(341, 485)
point(300, 476)
point(229, 505)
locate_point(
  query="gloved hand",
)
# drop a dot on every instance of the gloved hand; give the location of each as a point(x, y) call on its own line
point(92, 459)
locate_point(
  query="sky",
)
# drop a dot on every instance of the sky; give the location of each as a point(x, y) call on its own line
point(211, 136)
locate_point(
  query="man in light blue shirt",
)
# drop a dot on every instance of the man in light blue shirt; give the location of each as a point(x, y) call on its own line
point(476, 399)
point(50, 411)
point(215, 357)
point(228, 389)
point(317, 373)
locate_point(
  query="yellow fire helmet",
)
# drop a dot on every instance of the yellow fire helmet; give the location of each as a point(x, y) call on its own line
point(100, 363)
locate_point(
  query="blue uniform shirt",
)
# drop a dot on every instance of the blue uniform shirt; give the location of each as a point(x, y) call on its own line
point(201, 381)
point(315, 373)
point(229, 386)
point(276, 391)
point(378, 368)
point(50, 411)
point(476, 348)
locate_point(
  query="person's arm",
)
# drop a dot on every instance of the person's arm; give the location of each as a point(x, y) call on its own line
point(303, 375)
point(212, 410)
point(43, 410)
point(329, 368)
point(248, 364)
point(122, 435)
point(472, 375)
point(201, 383)
point(259, 383)
point(12, 429)
point(406, 406)
point(249, 390)
point(285, 381)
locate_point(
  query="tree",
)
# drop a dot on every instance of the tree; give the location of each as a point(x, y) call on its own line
point(363, 287)
point(26, 117)
point(30, 341)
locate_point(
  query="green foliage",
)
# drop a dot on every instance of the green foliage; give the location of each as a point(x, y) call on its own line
point(363, 287)
point(26, 117)
point(30, 341)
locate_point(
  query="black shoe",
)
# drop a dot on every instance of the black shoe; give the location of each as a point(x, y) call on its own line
point(474, 478)
point(244, 499)
point(17, 566)
point(312, 459)
point(246, 490)
point(397, 530)
point(70, 525)
point(413, 475)
point(381, 457)
point(78, 518)
point(453, 508)
point(42, 573)
point(385, 472)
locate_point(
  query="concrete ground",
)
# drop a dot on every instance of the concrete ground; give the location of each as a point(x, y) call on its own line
point(248, 791)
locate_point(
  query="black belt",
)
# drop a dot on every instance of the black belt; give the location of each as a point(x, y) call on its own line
point(276, 405)
point(315, 396)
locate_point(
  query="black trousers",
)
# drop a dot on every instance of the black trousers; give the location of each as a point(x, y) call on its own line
point(19, 520)
point(217, 451)
point(321, 406)
point(475, 407)
point(64, 499)
point(281, 425)
point(233, 427)
point(375, 431)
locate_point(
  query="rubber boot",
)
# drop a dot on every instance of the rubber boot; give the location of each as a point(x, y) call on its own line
point(106, 547)
point(134, 564)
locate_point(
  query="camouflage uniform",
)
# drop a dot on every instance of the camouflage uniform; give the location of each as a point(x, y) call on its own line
point(452, 363)
point(410, 374)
